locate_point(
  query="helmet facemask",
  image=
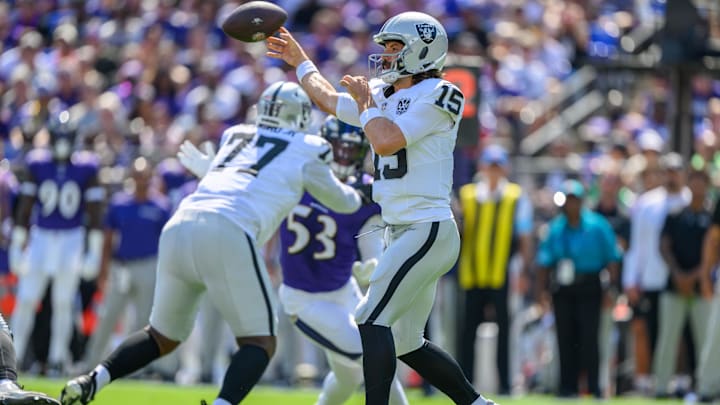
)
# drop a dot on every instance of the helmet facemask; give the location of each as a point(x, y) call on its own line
point(388, 67)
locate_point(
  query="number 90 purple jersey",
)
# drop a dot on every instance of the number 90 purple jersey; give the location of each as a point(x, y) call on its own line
point(61, 187)
point(318, 246)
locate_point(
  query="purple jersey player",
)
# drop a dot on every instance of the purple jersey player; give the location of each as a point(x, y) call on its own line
point(320, 251)
point(61, 191)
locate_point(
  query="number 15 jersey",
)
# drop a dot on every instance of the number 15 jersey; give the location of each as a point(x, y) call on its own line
point(259, 175)
point(414, 184)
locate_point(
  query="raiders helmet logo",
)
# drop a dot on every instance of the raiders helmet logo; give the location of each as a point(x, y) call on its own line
point(402, 106)
point(427, 32)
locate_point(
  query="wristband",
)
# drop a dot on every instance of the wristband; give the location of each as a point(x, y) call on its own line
point(368, 115)
point(305, 69)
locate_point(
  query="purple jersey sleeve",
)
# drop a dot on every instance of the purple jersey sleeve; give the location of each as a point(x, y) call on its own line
point(318, 246)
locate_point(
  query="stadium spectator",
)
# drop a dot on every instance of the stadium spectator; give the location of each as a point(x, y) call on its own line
point(580, 253)
point(63, 186)
point(497, 221)
point(681, 247)
point(133, 223)
point(644, 270)
point(610, 207)
point(708, 379)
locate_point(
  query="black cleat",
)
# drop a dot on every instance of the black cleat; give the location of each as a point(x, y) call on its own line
point(79, 391)
point(13, 394)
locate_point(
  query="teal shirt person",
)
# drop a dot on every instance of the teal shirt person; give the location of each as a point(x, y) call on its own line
point(591, 246)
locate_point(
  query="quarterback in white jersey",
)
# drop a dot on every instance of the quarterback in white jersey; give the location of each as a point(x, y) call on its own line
point(210, 244)
point(410, 116)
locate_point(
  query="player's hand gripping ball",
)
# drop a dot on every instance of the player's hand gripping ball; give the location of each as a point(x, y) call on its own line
point(254, 21)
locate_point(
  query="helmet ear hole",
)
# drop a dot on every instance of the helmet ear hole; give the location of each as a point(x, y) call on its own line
point(423, 53)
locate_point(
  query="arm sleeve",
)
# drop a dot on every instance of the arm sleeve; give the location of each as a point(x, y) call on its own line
point(347, 110)
point(523, 216)
point(421, 120)
point(371, 244)
point(323, 185)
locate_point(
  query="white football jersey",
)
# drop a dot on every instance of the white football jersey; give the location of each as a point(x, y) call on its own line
point(257, 177)
point(414, 184)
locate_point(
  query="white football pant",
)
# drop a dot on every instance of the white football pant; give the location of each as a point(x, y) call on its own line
point(327, 319)
point(53, 255)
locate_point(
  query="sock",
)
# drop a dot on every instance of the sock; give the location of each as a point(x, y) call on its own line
point(102, 377)
point(8, 363)
point(220, 401)
point(136, 352)
point(378, 362)
point(246, 367)
point(442, 371)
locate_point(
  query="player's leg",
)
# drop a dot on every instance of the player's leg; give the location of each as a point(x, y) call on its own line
point(707, 373)
point(672, 312)
point(430, 361)
point(328, 322)
point(405, 282)
point(177, 292)
point(31, 288)
point(10, 391)
point(239, 287)
point(65, 271)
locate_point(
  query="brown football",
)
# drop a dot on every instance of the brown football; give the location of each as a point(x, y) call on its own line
point(254, 21)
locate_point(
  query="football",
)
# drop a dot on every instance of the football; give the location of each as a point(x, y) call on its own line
point(254, 21)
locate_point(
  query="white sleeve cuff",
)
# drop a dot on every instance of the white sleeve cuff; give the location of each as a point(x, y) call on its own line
point(347, 110)
point(369, 115)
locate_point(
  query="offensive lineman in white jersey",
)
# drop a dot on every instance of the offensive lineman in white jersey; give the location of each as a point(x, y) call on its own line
point(411, 117)
point(210, 244)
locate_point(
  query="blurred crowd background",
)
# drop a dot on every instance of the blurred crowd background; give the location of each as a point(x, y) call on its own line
point(581, 89)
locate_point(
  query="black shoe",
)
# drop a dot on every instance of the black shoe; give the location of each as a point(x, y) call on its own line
point(80, 390)
point(13, 394)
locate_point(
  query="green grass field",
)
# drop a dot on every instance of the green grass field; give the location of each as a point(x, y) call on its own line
point(147, 393)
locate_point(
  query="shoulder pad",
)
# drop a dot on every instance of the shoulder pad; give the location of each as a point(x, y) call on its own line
point(245, 129)
point(445, 96)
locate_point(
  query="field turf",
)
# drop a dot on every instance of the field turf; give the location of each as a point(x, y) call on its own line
point(133, 392)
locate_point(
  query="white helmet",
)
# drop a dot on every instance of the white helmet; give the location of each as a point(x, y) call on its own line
point(284, 105)
point(426, 46)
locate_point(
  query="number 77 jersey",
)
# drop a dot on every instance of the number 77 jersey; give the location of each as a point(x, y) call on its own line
point(256, 179)
point(414, 184)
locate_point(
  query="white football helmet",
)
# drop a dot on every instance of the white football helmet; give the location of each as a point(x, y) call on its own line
point(426, 46)
point(284, 105)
